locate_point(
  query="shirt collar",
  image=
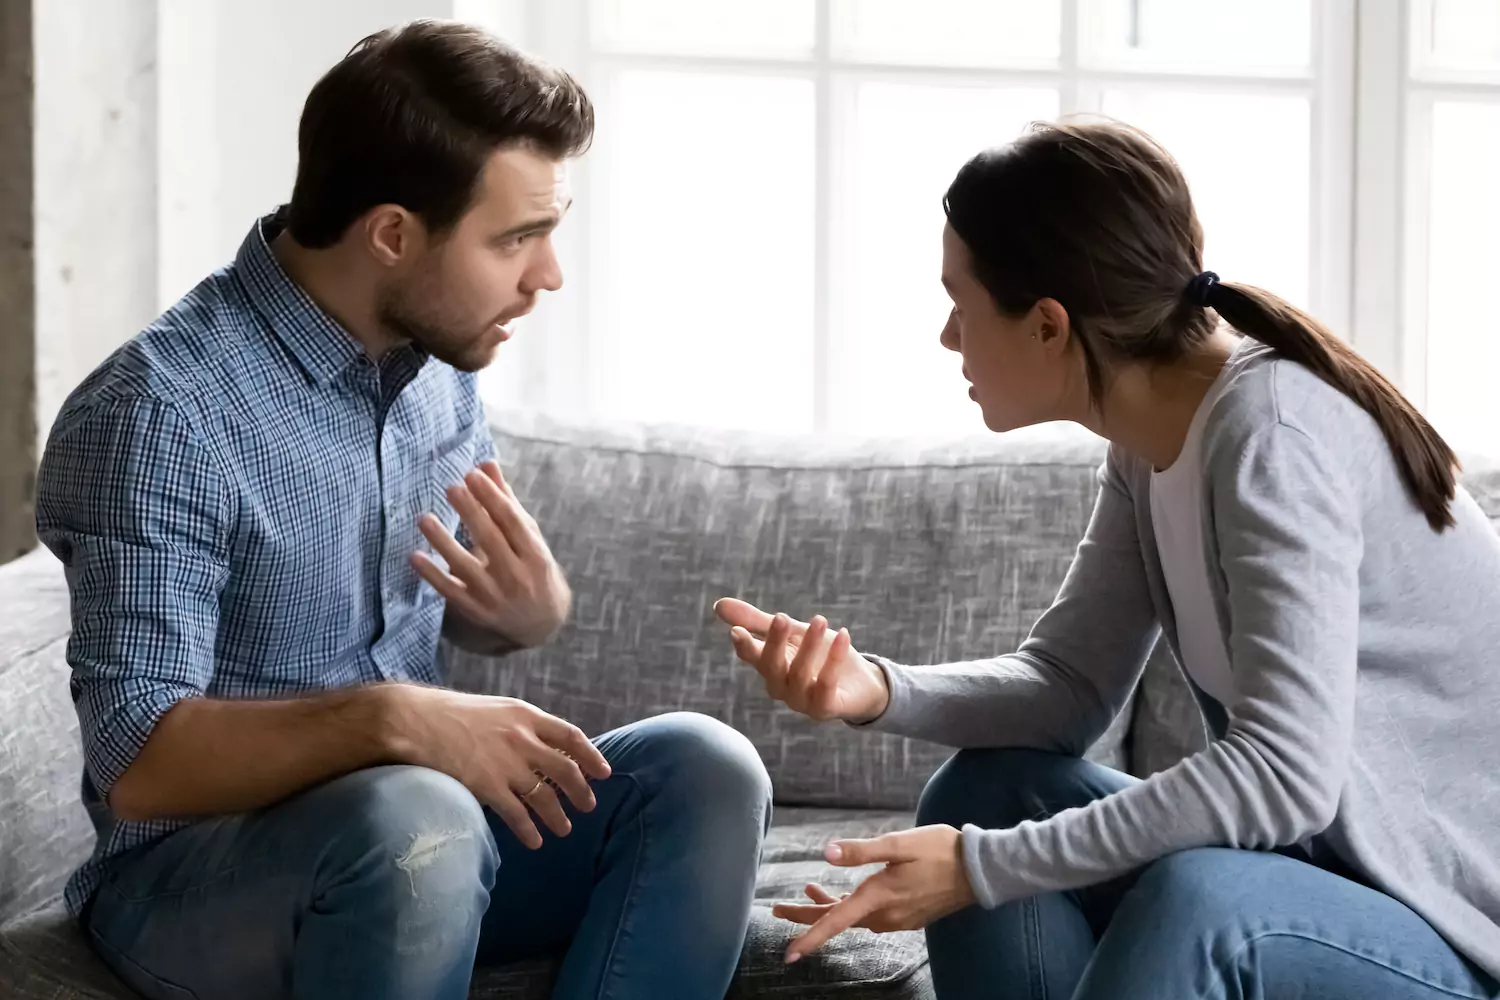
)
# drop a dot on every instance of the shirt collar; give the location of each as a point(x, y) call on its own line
point(319, 343)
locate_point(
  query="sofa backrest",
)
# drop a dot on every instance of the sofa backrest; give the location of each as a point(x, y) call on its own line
point(927, 550)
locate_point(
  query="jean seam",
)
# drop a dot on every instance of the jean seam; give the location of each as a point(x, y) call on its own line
point(1254, 939)
point(640, 847)
point(1034, 939)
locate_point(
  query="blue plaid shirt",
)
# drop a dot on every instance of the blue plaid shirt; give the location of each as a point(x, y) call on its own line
point(234, 495)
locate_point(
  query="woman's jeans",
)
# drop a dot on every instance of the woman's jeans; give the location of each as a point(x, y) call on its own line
point(1199, 924)
point(392, 882)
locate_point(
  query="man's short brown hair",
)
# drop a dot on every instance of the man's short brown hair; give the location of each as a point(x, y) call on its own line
point(410, 116)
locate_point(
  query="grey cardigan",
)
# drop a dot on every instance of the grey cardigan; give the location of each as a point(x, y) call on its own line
point(1365, 649)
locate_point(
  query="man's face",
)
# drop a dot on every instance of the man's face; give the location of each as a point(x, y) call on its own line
point(459, 295)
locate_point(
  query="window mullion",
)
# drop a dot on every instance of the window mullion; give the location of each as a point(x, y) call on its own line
point(824, 127)
point(1379, 186)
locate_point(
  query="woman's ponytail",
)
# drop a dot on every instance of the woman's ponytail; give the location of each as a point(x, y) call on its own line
point(1427, 464)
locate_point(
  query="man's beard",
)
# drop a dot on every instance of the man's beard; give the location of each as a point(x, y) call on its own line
point(431, 331)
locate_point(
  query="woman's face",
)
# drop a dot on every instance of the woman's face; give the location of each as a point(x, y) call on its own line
point(1019, 367)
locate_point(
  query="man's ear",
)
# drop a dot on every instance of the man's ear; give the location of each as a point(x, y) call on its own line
point(392, 235)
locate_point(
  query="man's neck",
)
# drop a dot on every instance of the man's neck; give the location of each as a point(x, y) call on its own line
point(338, 288)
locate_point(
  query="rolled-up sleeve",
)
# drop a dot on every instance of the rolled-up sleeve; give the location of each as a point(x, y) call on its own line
point(138, 511)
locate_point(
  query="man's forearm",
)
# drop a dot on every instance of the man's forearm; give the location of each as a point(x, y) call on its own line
point(209, 757)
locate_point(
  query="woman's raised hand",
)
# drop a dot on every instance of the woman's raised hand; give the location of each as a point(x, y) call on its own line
point(811, 668)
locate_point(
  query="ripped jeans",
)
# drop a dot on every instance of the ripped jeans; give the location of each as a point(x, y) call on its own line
point(394, 882)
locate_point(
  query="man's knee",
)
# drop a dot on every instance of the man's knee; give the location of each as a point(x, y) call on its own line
point(701, 765)
point(413, 826)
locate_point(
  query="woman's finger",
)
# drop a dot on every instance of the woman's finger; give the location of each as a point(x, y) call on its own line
point(843, 915)
point(820, 895)
point(801, 913)
point(823, 698)
point(773, 661)
point(804, 668)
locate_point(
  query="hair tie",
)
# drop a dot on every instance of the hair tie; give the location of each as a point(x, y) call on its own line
point(1200, 288)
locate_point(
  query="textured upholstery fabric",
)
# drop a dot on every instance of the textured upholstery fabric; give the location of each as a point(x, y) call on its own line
point(926, 550)
point(44, 831)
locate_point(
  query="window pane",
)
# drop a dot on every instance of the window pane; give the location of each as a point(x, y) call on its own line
point(1215, 36)
point(1463, 345)
point(701, 268)
point(693, 27)
point(948, 32)
point(1247, 159)
point(1464, 34)
point(890, 375)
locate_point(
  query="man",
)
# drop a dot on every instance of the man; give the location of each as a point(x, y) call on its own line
point(288, 804)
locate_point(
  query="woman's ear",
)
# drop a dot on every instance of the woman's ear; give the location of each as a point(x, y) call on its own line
point(1051, 327)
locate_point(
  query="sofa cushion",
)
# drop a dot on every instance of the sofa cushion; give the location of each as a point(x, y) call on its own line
point(43, 955)
point(927, 550)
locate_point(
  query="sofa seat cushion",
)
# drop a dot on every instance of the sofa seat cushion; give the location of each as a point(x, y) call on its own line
point(43, 955)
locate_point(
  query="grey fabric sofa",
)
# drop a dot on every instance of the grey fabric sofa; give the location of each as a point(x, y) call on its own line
point(928, 550)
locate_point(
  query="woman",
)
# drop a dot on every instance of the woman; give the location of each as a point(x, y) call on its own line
point(1294, 527)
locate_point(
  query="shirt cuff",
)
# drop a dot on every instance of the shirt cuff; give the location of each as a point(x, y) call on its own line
point(120, 734)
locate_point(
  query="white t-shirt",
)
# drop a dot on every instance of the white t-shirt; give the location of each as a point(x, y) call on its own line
point(1177, 518)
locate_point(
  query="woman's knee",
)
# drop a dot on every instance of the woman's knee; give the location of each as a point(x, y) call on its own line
point(1000, 788)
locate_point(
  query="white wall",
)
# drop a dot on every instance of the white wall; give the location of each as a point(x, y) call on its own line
point(234, 76)
point(164, 129)
point(95, 163)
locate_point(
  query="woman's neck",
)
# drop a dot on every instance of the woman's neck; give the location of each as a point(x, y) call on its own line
point(1147, 410)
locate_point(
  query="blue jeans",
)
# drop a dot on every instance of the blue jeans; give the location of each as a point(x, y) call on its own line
point(1199, 924)
point(392, 882)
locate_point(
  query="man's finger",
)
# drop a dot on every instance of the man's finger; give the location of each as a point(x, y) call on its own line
point(488, 538)
point(453, 590)
point(513, 522)
point(509, 808)
point(839, 918)
point(491, 468)
point(545, 804)
point(571, 740)
point(887, 848)
point(461, 562)
point(565, 774)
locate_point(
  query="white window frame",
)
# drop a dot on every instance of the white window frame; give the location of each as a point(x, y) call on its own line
point(1359, 133)
point(1395, 98)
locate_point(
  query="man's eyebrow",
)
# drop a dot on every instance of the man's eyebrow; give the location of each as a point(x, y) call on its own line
point(532, 228)
point(536, 227)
